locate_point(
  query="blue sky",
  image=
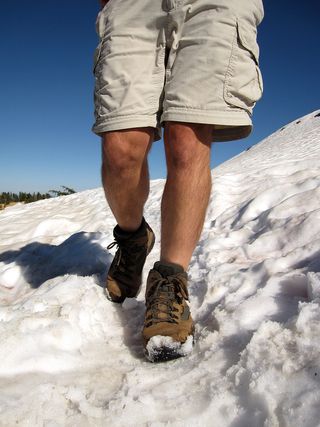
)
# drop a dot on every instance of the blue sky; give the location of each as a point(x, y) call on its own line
point(46, 84)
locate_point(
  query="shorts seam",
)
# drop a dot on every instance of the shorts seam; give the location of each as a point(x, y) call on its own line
point(125, 118)
point(206, 112)
point(126, 122)
point(235, 124)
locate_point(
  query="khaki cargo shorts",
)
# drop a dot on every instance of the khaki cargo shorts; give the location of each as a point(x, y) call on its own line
point(193, 61)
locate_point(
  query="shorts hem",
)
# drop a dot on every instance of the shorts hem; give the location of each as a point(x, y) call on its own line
point(120, 123)
point(228, 125)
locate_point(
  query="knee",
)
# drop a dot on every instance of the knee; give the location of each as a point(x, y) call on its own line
point(118, 157)
point(123, 152)
point(186, 145)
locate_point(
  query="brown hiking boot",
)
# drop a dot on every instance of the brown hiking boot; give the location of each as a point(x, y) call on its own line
point(125, 273)
point(168, 327)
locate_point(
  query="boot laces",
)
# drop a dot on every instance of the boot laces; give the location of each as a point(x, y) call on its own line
point(125, 257)
point(160, 299)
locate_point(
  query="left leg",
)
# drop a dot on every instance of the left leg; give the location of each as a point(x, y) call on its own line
point(168, 329)
point(212, 83)
point(187, 190)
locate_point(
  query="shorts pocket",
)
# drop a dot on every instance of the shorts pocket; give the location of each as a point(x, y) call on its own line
point(243, 82)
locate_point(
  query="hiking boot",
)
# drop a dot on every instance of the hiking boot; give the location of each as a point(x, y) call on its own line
point(168, 327)
point(125, 273)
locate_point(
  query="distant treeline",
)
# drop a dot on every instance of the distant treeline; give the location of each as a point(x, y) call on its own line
point(7, 197)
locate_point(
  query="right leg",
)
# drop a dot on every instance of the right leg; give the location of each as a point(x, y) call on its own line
point(125, 174)
point(125, 179)
point(129, 71)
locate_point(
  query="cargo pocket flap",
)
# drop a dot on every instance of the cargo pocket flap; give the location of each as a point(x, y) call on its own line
point(243, 82)
point(248, 39)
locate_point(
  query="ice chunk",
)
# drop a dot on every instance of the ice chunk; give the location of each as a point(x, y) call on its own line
point(313, 285)
point(162, 348)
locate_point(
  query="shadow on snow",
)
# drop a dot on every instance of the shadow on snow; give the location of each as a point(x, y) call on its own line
point(80, 254)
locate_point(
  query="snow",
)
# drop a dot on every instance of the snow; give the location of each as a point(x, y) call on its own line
point(69, 357)
point(158, 343)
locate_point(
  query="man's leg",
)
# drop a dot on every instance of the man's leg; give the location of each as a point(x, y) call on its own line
point(125, 174)
point(125, 179)
point(168, 327)
point(187, 189)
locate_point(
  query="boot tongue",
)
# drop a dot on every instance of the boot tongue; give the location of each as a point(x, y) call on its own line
point(168, 269)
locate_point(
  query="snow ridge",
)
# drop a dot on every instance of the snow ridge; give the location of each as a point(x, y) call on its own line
point(71, 358)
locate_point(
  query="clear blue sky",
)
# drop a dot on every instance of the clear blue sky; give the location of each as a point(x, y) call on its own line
point(46, 83)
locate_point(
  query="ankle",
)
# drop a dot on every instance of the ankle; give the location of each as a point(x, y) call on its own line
point(127, 228)
point(176, 265)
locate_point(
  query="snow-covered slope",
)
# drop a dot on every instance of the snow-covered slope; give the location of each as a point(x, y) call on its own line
point(69, 357)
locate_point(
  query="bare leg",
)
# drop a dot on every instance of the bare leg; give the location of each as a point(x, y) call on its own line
point(125, 174)
point(187, 189)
